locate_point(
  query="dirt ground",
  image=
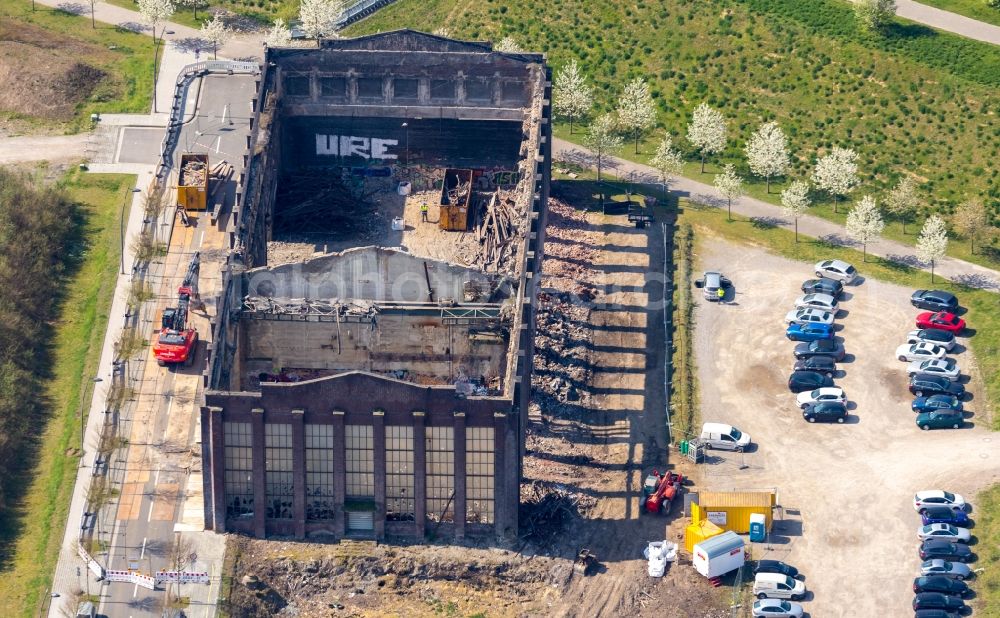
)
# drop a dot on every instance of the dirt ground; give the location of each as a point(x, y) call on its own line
point(847, 490)
point(597, 425)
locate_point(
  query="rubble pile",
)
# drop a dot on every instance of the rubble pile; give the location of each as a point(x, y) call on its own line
point(546, 509)
point(193, 174)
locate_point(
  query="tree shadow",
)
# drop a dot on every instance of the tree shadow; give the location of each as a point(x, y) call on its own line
point(73, 8)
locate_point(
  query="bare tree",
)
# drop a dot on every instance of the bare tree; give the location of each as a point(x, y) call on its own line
point(279, 35)
point(837, 173)
point(707, 131)
point(195, 5)
point(767, 152)
point(933, 242)
point(865, 224)
point(636, 110)
point(667, 161)
point(573, 97)
point(730, 185)
point(216, 33)
point(319, 17)
point(902, 201)
point(972, 221)
point(602, 139)
point(795, 201)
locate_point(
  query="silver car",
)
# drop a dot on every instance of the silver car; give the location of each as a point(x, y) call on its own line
point(777, 607)
point(945, 568)
point(836, 269)
point(817, 301)
point(945, 368)
point(944, 532)
point(809, 316)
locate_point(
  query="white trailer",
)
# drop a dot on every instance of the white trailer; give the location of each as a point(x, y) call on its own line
point(719, 555)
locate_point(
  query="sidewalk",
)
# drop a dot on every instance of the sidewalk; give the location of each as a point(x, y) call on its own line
point(950, 22)
point(957, 270)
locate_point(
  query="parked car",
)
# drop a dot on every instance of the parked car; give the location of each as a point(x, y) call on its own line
point(945, 532)
point(823, 286)
point(711, 282)
point(944, 585)
point(725, 437)
point(919, 351)
point(821, 347)
point(807, 381)
point(944, 515)
point(932, 335)
point(936, 600)
point(820, 364)
point(942, 367)
point(940, 419)
point(937, 497)
point(777, 607)
point(945, 568)
point(809, 316)
point(936, 402)
point(837, 270)
point(775, 566)
point(817, 301)
point(945, 550)
point(934, 300)
point(827, 411)
point(922, 385)
point(934, 613)
point(941, 320)
point(777, 586)
point(825, 394)
point(811, 331)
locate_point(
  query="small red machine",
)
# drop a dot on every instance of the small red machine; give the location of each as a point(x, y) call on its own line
point(660, 491)
point(177, 342)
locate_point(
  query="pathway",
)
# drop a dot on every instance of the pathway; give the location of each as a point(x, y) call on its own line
point(957, 270)
point(42, 148)
point(950, 22)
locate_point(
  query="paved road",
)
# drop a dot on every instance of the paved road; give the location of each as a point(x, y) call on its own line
point(816, 227)
point(950, 22)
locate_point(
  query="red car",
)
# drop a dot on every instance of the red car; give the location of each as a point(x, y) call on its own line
point(941, 320)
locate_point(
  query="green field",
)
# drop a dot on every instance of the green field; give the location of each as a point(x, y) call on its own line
point(31, 529)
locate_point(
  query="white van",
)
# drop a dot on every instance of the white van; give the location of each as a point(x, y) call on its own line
point(725, 437)
point(777, 586)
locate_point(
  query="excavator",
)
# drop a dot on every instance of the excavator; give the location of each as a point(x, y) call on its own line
point(660, 490)
point(177, 342)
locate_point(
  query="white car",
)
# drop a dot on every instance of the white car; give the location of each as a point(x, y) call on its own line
point(817, 301)
point(944, 568)
point(809, 316)
point(945, 368)
point(777, 607)
point(919, 351)
point(944, 532)
point(824, 394)
point(836, 269)
point(938, 337)
point(937, 497)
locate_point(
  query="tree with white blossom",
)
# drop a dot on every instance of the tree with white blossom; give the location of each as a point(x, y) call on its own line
point(636, 110)
point(573, 97)
point(874, 15)
point(319, 17)
point(972, 221)
point(602, 139)
point(667, 161)
point(767, 152)
point(837, 173)
point(865, 224)
point(442, 31)
point(707, 131)
point(933, 242)
point(795, 202)
point(508, 45)
point(155, 12)
point(216, 33)
point(730, 185)
point(901, 203)
point(279, 35)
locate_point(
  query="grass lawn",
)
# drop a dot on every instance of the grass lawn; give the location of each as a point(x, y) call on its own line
point(917, 101)
point(125, 58)
point(263, 11)
point(976, 9)
point(987, 530)
point(40, 518)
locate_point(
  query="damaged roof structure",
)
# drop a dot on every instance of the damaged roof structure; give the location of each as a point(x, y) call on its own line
point(376, 384)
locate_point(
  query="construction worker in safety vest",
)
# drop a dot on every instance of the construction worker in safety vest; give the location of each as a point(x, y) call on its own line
point(423, 211)
point(721, 294)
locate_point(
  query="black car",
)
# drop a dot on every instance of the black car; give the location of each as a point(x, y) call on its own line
point(823, 286)
point(945, 550)
point(944, 585)
point(820, 347)
point(936, 600)
point(776, 566)
point(820, 364)
point(921, 385)
point(801, 381)
point(932, 335)
point(934, 613)
point(934, 300)
point(826, 411)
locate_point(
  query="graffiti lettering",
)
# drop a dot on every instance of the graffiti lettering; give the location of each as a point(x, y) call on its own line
point(351, 146)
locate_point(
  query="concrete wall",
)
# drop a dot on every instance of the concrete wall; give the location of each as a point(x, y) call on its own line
point(371, 273)
point(422, 344)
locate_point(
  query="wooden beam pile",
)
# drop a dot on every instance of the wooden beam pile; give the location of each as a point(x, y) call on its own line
point(497, 228)
point(221, 173)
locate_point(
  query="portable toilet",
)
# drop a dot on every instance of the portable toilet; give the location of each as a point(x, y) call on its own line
point(758, 527)
point(719, 555)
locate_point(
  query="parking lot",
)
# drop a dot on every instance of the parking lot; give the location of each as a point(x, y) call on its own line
point(846, 490)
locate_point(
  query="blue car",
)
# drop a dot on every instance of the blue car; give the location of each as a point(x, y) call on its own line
point(809, 332)
point(936, 402)
point(944, 515)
